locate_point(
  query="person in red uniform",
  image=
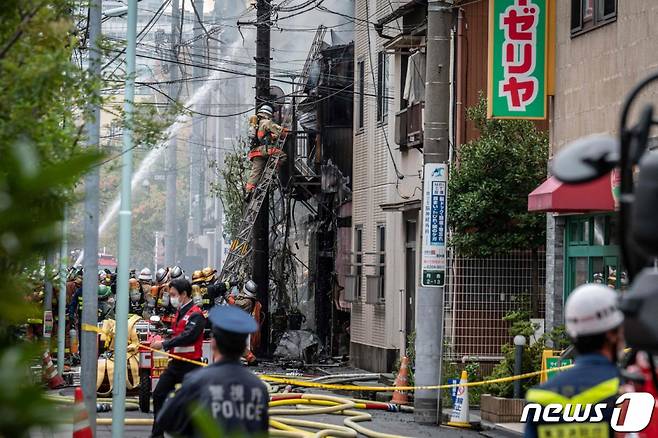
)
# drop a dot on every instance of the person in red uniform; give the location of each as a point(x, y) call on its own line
point(187, 342)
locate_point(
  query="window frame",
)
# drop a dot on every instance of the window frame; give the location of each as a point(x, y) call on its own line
point(383, 66)
point(381, 261)
point(595, 21)
point(358, 262)
point(361, 84)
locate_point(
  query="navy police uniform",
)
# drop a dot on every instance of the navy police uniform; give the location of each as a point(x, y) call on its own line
point(594, 379)
point(231, 394)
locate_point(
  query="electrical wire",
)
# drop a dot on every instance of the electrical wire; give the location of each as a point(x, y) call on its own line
point(383, 128)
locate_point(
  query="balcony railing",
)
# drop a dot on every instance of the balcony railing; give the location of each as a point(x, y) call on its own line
point(409, 126)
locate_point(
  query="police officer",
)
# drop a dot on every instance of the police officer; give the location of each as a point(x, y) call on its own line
point(187, 342)
point(593, 322)
point(235, 397)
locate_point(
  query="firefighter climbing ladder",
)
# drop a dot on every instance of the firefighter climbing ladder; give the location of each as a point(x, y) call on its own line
point(241, 246)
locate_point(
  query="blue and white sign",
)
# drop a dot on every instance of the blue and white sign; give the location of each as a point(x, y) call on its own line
point(435, 213)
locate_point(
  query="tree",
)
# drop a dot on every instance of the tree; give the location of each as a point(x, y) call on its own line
point(489, 187)
point(43, 97)
point(232, 189)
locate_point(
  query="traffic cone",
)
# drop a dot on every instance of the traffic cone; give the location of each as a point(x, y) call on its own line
point(459, 416)
point(400, 397)
point(81, 427)
point(50, 372)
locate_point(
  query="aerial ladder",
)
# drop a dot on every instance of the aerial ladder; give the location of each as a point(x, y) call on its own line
point(240, 250)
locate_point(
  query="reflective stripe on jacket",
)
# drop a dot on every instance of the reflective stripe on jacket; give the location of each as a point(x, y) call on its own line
point(195, 350)
point(593, 380)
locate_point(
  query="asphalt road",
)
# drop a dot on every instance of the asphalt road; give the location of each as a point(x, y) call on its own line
point(388, 422)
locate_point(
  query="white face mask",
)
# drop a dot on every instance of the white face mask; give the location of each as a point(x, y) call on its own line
point(134, 295)
point(165, 299)
point(175, 301)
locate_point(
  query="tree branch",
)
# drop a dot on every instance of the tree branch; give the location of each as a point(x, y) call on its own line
point(19, 31)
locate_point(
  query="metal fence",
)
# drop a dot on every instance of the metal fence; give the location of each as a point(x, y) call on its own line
point(481, 291)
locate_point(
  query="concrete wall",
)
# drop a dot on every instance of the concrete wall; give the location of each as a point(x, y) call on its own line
point(595, 70)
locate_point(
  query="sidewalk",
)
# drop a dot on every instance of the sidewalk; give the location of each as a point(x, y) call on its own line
point(493, 430)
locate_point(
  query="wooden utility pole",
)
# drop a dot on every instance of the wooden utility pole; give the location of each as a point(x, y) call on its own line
point(261, 256)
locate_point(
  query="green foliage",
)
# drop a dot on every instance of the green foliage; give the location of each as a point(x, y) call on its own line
point(43, 94)
point(232, 189)
point(520, 325)
point(489, 186)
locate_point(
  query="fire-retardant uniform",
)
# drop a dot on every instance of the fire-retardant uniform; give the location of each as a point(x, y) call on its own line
point(592, 321)
point(263, 144)
point(593, 379)
point(187, 342)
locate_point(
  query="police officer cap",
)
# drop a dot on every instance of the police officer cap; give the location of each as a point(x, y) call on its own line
point(232, 319)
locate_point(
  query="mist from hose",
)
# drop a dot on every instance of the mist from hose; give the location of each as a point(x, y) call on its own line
point(150, 158)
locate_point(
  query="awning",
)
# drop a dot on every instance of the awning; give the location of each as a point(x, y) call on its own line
point(558, 197)
point(401, 206)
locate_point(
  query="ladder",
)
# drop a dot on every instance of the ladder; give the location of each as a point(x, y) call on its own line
point(240, 248)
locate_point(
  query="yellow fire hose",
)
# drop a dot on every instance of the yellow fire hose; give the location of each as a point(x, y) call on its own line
point(281, 425)
point(310, 384)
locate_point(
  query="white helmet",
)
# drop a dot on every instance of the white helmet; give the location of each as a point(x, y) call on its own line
point(592, 309)
point(250, 289)
point(266, 109)
point(145, 274)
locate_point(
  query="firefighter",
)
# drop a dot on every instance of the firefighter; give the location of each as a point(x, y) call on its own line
point(263, 143)
point(136, 306)
point(247, 301)
point(106, 302)
point(593, 322)
point(187, 342)
point(235, 397)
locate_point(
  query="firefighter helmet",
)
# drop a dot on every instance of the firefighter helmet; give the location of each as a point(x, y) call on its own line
point(265, 110)
point(176, 272)
point(592, 309)
point(145, 275)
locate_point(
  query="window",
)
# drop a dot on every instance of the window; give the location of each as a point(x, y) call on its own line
point(358, 259)
point(361, 71)
point(382, 86)
point(589, 14)
point(381, 255)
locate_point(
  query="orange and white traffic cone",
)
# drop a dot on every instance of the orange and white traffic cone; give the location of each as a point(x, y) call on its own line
point(81, 428)
point(50, 373)
point(459, 416)
point(400, 397)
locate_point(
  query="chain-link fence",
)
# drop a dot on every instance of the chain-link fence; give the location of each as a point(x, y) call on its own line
point(481, 291)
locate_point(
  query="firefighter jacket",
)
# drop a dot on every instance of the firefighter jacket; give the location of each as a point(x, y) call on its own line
point(593, 379)
point(234, 396)
point(266, 139)
point(187, 340)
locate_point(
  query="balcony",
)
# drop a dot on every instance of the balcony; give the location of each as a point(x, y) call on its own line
point(409, 126)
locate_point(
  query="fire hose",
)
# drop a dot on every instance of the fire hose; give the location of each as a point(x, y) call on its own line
point(284, 421)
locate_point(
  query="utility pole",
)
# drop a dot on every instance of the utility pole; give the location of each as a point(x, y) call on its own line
point(125, 216)
point(261, 256)
point(170, 159)
point(196, 137)
point(436, 149)
point(88, 339)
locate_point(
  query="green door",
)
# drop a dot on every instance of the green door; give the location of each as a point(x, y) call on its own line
point(591, 252)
